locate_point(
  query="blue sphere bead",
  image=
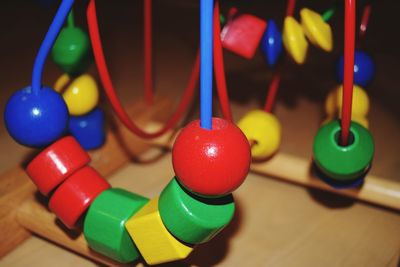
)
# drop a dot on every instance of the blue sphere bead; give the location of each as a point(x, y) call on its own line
point(364, 68)
point(89, 129)
point(36, 120)
point(271, 43)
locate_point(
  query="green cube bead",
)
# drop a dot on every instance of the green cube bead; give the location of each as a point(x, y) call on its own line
point(343, 163)
point(71, 50)
point(191, 218)
point(104, 225)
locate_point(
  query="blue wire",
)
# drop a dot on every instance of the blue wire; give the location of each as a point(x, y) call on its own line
point(206, 57)
point(48, 42)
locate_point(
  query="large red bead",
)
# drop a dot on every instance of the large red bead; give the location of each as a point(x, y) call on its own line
point(54, 164)
point(211, 162)
point(74, 196)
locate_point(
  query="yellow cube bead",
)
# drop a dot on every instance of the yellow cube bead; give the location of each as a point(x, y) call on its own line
point(81, 95)
point(316, 29)
point(294, 40)
point(151, 237)
point(264, 129)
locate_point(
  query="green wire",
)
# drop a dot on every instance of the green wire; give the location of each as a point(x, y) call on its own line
point(70, 19)
point(327, 15)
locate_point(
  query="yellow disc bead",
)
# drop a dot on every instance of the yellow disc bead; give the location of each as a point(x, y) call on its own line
point(294, 40)
point(331, 103)
point(264, 129)
point(81, 95)
point(316, 29)
point(360, 119)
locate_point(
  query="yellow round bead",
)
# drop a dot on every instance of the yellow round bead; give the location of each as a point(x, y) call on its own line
point(294, 40)
point(331, 103)
point(316, 29)
point(81, 95)
point(360, 104)
point(264, 129)
point(360, 119)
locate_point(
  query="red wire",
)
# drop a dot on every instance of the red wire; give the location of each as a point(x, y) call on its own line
point(219, 68)
point(290, 7)
point(273, 89)
point(364, 20)
point(109, 88)
point(349, 43)
point(148, 79)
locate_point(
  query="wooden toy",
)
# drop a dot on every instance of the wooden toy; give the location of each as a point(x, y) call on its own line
point(36, 118)
point(71, 50)
point(72, 198)
point(294, 40)
point(56, 163)
point(224, 152)
point(89, 129)
point(104, 224)
point(81, 94)
point(153, 240)
point(271, 43)
point(316, 29)
point(264, 130)
point(191, 218)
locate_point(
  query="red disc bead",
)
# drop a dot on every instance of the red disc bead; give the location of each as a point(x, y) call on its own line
point(74, 196)
point(54, 164)
point(211, 162)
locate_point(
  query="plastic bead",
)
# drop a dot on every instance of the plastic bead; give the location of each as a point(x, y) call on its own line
point(211, 162)
point(316, 29)
point(264, 129)
point(360, 102)
point(36, 120)
point(294, 40)
point(151, 237)
point(71, 199)
point(343, 163)
point(104, 226)
point(191, 218)
point(242, 35)
point(71, 50)
point(359, 119)
point(81, 95)
point(271, 43)
point(364, 68)
point(54, 164)
point(89, 129)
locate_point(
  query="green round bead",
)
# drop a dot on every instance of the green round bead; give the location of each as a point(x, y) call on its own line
point(191, 218)
point(343, 163)
point(104, 225)
point(71, 50)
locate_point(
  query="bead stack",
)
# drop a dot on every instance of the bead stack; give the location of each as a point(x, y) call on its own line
point(71, 52)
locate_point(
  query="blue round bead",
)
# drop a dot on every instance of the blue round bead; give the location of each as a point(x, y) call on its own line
point(36, 120)
point(364, 68)
point(89, 129)
point(271, 43)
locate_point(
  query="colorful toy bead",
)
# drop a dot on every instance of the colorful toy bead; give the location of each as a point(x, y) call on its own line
point(360, 102)
point(191, 218)
point(36, 120)
point(364, 68)
point(104, 226)
point(316, 29)
point(89, 129)
point(57, 162)
point(359, 119)
point(264, 129)
point(71, 199)
point(242, 35)
point(294, 40)
point(71, 50)
point(81, 95)
point(151, 237)
point(343, 163)
point(271, 43)
point(211, 162)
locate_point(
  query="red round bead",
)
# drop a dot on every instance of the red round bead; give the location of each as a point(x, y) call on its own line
point(211, 162)
point(54, 164)
point(74, 196)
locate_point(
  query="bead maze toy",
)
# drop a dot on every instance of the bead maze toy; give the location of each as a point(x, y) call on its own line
point(210, 156)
